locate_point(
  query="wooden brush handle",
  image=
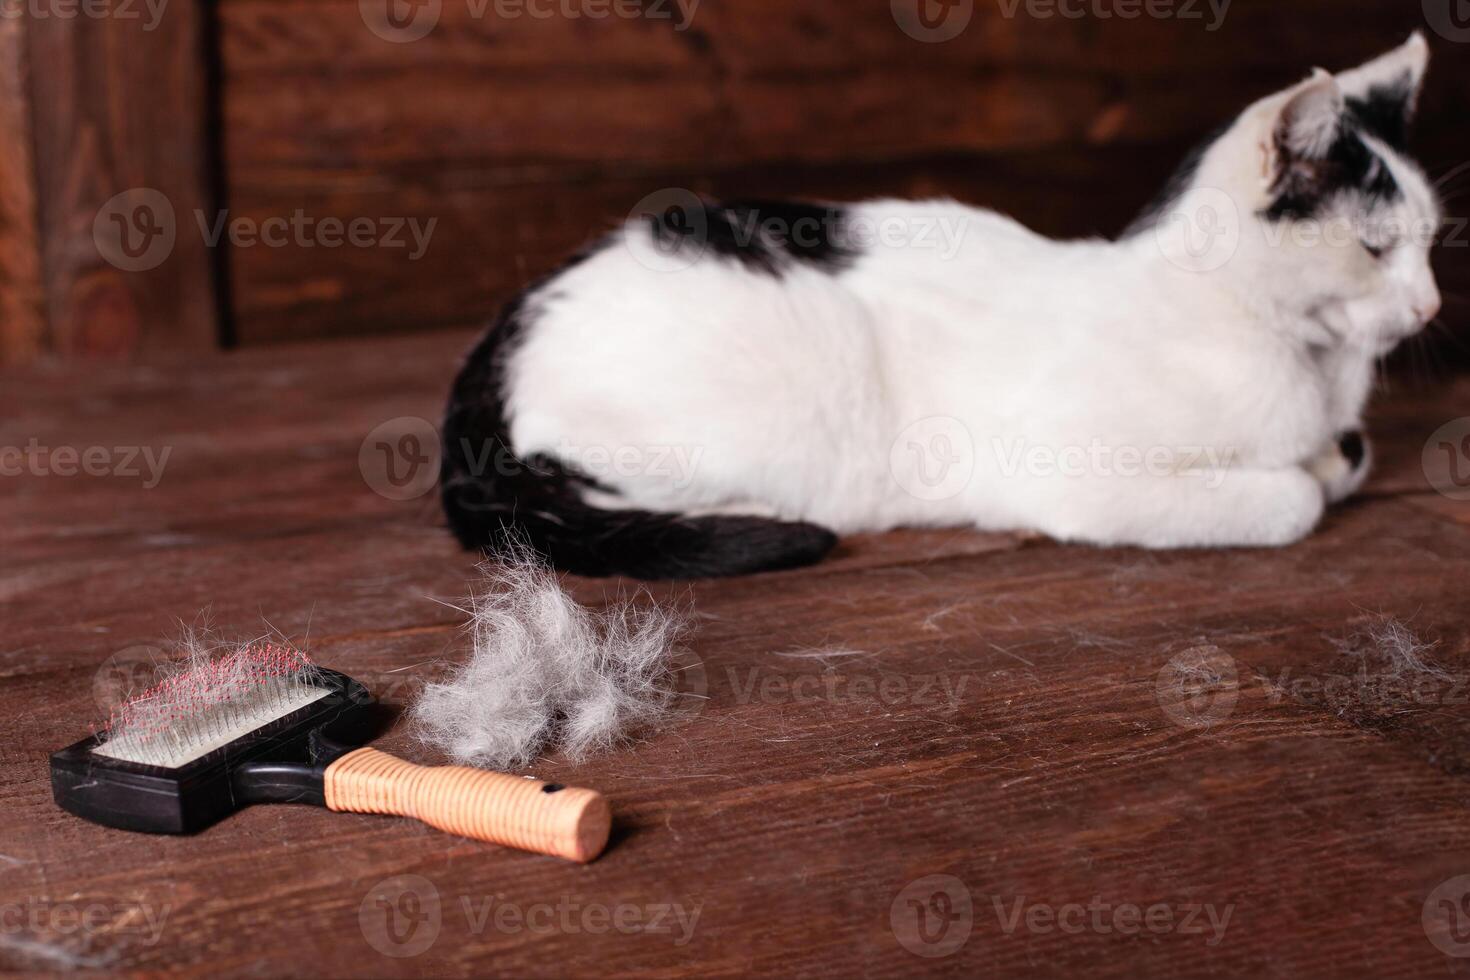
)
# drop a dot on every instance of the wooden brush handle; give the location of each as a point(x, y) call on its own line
point(490, 806)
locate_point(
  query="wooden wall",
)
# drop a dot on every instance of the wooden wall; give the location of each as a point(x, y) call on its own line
point(100, 117)
point(521, 137)
point(524, 137)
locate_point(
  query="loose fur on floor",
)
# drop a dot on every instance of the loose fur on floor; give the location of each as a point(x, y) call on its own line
point(546, 673)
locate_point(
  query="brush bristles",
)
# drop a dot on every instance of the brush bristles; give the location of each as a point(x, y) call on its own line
point(209, 700)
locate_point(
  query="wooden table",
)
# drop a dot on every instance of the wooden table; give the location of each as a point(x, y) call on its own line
point(1117, 762)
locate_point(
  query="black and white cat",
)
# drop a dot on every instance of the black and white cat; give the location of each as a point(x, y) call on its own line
point(721, 390)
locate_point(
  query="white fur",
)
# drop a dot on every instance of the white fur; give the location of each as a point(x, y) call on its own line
point(792, 392)
point(545, 672)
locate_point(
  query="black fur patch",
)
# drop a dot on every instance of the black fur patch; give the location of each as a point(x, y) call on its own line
point(767, 236)
point(1305, 185)
point(1175, 187)
point(1352, 447)
point(1384, 112)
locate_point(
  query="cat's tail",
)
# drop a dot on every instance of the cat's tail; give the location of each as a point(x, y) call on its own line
point(495, 500)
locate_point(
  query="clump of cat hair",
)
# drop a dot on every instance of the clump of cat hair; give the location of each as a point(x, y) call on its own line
point(547, 673)
point(1390, 648)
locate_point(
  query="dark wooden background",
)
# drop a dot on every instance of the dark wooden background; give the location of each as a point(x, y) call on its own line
point(523, 137)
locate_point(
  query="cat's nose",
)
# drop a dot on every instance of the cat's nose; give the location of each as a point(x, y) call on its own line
point(1428, 307)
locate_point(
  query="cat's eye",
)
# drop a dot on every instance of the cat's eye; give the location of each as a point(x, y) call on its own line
point(1374, 250)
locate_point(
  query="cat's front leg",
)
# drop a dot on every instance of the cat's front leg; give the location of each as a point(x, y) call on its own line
point(1232, 507)
point(1342, 465)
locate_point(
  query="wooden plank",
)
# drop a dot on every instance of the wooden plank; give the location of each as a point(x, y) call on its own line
point(22, 313)
point(744, 83)
point(120, 117)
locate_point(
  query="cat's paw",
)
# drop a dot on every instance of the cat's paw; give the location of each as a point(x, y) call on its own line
point(1297, 502)
point(1343, 465)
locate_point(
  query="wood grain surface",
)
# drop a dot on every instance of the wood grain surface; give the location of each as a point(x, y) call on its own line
point(22, 305)
point(1132, 763)
point(119, 109)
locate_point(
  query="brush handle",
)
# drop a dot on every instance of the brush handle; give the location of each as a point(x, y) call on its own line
point(490, 806)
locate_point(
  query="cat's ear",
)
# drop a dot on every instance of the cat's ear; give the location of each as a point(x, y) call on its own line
point(1309, 119)
point(1385, 92)
point(1295, 131)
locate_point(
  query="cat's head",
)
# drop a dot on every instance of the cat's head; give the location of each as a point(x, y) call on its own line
point(1334, 222)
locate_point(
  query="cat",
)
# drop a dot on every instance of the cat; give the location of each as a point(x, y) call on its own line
point(723, 389)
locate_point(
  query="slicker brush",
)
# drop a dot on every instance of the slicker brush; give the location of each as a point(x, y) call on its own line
point(264, 725)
